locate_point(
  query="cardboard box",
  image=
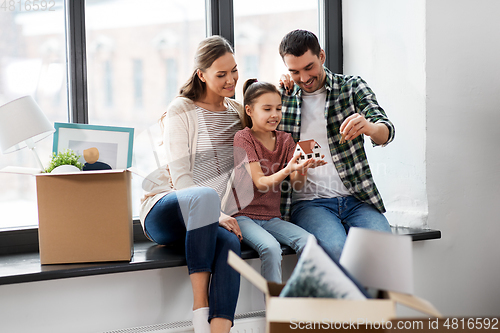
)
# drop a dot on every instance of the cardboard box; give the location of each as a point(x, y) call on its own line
point(289, 314)
point(85, 216)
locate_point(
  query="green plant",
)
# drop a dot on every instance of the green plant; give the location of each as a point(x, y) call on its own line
point(67, 157)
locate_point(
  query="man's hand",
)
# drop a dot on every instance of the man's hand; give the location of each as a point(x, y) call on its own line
point(356, 124)
point(229, 223)
point(286, 83)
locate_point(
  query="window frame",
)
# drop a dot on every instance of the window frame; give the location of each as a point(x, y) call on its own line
point(219, 21)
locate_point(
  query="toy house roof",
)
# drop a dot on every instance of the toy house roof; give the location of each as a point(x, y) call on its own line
point(307, 146)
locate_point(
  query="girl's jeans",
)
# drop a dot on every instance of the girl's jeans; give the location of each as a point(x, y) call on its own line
point(265, 238)
point(192, 215)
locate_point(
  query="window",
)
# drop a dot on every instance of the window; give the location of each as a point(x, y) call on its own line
point(395, 69)
point(139, 53)
point(32, 62)
point(258, 29)
point(108, 84)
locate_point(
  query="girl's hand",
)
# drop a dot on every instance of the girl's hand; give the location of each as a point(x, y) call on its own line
point(293, 164)
point(287, 83)
point(304, 165)
point(316, 162)
point(229, 223)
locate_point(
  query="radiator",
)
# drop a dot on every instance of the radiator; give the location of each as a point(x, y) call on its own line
point(251, 322)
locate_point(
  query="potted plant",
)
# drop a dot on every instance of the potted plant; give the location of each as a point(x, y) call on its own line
point(64, 161)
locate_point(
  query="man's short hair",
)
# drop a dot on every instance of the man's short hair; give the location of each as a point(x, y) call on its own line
point(297, 42)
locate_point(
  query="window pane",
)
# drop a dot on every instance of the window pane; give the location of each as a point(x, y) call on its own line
point(32, 62)
point(259, 26)
point(139, 53)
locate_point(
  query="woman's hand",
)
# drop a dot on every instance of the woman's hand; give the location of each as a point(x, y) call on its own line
point(229, 223)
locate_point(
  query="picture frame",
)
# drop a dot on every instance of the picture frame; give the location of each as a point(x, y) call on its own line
point(115, 144)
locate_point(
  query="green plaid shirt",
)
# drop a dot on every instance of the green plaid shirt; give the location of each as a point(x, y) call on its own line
point(345, 95)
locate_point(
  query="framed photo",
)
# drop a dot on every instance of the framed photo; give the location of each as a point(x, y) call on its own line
point(114, 144)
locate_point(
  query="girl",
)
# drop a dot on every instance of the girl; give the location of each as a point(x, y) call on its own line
point(199, 127)
point(263, 153)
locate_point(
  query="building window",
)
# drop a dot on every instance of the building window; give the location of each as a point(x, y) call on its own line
point(258, 29)
point(108, 83)
point(172, 80)
point(138, 78)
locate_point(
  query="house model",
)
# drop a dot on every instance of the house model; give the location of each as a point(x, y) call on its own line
point(308, 149)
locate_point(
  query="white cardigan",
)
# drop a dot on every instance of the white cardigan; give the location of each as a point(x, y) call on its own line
point(180, 137)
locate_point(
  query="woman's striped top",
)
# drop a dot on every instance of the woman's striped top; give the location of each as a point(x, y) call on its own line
point(214, 159)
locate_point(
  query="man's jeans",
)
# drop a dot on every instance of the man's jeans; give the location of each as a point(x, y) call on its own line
point(329, 220)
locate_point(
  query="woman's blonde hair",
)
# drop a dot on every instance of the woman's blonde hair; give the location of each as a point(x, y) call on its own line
point(209, 50)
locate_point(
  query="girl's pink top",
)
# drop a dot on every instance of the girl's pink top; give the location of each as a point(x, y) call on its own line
point(247, 149)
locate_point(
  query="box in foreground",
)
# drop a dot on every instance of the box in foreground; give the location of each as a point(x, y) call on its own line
point(288, 314)
point(85, 217)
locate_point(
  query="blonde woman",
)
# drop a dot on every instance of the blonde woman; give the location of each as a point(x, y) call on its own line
point(199, 127)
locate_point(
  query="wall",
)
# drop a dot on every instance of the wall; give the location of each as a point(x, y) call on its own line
point(463, 160)
point(459, 273)
point(111, 302)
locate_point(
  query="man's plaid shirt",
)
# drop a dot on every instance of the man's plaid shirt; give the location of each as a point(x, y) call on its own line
point(345, 95)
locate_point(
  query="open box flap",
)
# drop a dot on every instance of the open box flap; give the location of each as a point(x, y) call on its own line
point(248, 272)
point(414, 302)
point(286, 309)
point(90, 172)
point(21, 170)
point(36, 171)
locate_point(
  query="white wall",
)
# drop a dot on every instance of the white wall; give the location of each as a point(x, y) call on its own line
point(461, 69)
point(463, 159)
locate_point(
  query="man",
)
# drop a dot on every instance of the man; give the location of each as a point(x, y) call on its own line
point(336, 111)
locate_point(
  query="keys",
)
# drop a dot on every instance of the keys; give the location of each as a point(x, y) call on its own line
point(342, 139)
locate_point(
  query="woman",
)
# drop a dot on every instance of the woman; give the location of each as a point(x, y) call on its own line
point(199, 128)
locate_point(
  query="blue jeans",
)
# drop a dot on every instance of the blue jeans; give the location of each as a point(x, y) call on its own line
point(265, 238)
point(329, 220)
point(206, 243)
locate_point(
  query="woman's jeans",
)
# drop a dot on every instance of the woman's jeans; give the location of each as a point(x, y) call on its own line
point(192, 215)
point(329, 220)
point(264, 237)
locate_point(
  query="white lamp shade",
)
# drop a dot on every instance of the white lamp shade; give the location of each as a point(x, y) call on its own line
point(379, 260)
point(20, 120)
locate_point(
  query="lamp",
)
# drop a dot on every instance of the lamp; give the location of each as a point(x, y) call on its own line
point(22, 123)
point(379, 260)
